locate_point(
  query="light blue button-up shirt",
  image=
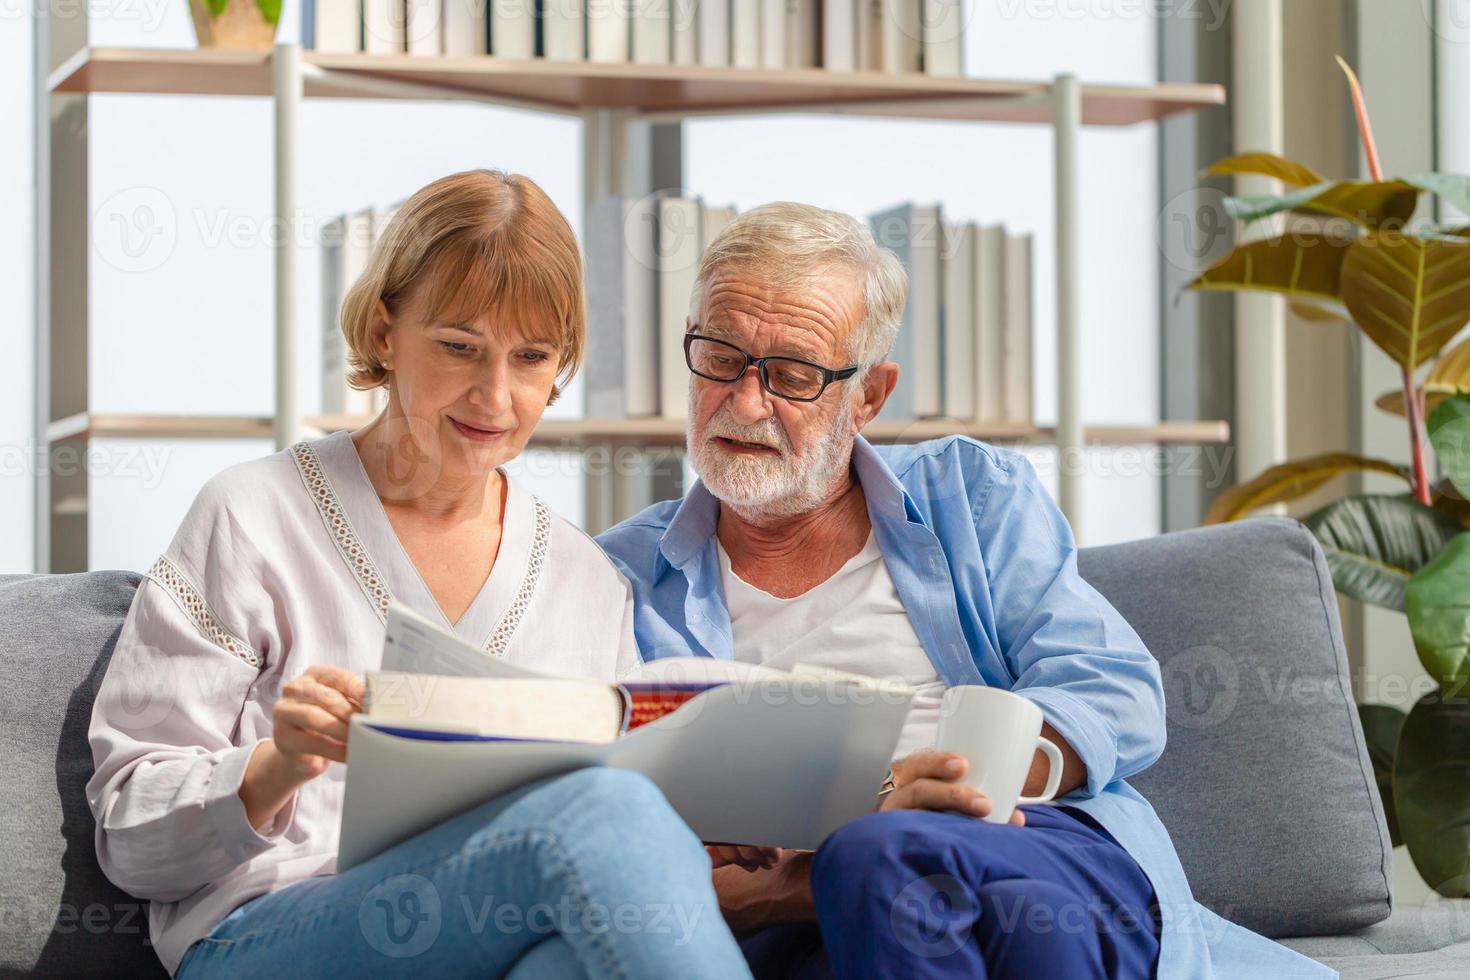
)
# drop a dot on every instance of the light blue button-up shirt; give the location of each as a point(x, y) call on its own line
point(986, 566)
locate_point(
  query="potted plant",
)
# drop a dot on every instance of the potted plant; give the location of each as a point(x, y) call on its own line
point(1351, 254)
point(235, 23)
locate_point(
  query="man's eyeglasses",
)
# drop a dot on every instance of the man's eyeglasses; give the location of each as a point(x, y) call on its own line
point(784, 377)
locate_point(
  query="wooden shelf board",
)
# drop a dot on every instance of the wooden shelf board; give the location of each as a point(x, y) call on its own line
point(572, 433)
point(160, 427)
point(576, 86)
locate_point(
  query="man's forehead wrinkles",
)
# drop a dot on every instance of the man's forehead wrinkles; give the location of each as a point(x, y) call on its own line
point(782, 337)
point(803, 323)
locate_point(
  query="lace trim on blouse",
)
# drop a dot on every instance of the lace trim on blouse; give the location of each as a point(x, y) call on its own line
point(344, 536)
point(511, 621)
point(172, 580)
point(340, 528)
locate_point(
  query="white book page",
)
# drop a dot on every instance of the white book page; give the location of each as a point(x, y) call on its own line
point(413, 645)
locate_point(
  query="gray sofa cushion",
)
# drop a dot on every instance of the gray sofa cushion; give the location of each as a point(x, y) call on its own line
point(1265, 785)
point(61, 917)
point(1432, 940)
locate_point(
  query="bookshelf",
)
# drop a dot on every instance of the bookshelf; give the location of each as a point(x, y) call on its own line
point(667, 92)
point(652, 432)
point(610, 99)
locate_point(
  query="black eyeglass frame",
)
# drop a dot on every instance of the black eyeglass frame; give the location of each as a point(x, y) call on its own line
point(828, 374)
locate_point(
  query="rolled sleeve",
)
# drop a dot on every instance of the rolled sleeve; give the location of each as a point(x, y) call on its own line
point(1084, 729)
point(1069, 650)
point(167, 774)
point(226, 809)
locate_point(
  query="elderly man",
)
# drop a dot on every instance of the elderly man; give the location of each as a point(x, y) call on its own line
point(942, 564)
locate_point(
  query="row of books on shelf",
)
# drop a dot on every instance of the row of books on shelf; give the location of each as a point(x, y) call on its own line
point(346, 244)
point(840, 35)
point(964, 343)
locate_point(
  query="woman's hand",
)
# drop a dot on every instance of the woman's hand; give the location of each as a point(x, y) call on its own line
point(311, 718)
point(929, 780)
point(309, 732)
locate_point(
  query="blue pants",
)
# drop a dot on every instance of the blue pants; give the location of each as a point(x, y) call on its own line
point(921, 894)
point(588, 874)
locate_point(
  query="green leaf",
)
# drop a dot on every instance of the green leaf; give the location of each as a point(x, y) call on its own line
point(216, 7)
point(1437, 601)
point(1364, 202)
point(1375, 542)
point(1307, 268)
point(1431, 791)
point(1265, 165)
point(1410, 295)
point(1285, 482)
point(1254, 207)
point(1381, 725)
point(1451, 188)
point(1449, 431)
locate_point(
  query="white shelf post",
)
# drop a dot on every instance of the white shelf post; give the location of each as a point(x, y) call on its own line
point(288, 91)
point(1067, 123)
point(1260, 318)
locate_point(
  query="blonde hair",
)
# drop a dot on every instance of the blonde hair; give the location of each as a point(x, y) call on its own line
point(787, 245)
point(474, 243)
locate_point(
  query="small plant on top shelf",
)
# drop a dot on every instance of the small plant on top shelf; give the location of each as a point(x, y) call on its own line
point(235, 23)
point(1350, 255)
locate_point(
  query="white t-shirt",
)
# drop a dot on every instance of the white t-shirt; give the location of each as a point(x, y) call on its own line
point(854, 621)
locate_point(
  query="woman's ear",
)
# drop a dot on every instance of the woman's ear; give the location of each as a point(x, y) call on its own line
point(380, 334)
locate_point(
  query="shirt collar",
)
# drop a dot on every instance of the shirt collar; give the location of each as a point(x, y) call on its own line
point(697, 516)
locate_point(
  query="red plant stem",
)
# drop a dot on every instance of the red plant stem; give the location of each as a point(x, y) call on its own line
point(1416, 438)
point(1412, 413)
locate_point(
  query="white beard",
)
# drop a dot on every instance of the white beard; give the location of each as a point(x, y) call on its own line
point(772, 486)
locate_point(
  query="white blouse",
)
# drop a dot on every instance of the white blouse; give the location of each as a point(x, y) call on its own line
point(281, 563)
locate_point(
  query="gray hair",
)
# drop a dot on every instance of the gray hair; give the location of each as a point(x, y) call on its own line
point(787, 245)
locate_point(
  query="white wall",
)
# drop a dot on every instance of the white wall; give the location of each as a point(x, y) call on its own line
point(18, 459)
point(184, 325)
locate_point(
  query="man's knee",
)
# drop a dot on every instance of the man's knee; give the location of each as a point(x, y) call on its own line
point(1028, 912)
point(863, 854)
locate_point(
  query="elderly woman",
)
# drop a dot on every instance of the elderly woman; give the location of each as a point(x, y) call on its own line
point(219, 731)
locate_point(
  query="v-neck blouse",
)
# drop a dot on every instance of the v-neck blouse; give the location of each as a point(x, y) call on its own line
point(359, 498)
point(281, 563)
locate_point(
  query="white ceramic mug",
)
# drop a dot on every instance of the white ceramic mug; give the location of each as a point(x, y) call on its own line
point(999, 733)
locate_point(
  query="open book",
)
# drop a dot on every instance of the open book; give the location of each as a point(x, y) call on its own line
point(744, 754)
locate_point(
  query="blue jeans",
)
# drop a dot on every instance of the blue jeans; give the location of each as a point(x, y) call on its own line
point(587, 874)
point(917, 894)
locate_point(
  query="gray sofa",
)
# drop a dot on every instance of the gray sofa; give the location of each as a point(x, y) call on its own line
point(1265, 785)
